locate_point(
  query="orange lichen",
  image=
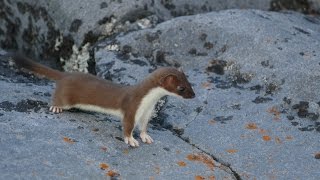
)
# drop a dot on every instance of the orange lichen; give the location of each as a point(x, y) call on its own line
point(181, 163)
point(112, 173)
point(104, 166)
point(232, 151)
point(68, 140)
point(198, 177)
point(266, 138)
point(251, 126)
point(200, 157)
point(262, 131)
point(275, 112)
point(289, 138)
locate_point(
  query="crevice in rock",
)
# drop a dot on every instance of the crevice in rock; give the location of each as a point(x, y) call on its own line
point(198, 112)
point(179, 132)
point(226, 166)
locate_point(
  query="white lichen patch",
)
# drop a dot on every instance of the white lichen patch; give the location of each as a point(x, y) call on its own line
point(144, 23)
point(112, 47)
point(11, 63)
point(58, 43)
point(78, 62)
point(109, 27)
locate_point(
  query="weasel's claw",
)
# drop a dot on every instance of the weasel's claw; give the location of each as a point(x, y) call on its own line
point(131, 141)
point(146, 138)
point(55, 109)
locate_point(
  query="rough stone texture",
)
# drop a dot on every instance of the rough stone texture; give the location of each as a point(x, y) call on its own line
point(255, 73)
point(257, 106)
point(64, 29)
point(303, 6)
point(37, 144)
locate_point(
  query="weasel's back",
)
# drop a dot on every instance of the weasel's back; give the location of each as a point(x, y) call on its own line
point(80, 88)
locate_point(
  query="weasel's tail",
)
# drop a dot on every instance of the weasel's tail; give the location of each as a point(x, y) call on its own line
point(26, 63)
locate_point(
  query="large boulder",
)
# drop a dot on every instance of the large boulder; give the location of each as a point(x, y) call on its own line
point(38, 144)
point(255, 75)
point(65, 30)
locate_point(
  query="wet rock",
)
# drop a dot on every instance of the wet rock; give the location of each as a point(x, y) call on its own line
point(301, 105)
point(217, 66)
point(306, 129)
point(27, 105)
point(287, 100)
point(223, 119)
point(7, 106)
point(290, 118)
point(260, 99)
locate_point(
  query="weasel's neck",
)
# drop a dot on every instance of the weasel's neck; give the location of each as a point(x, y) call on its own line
point(150, 89)
point(146, 106)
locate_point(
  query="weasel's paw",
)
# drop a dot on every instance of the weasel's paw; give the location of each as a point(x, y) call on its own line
point(131, 141)
point(146, 138)
point(55, 109)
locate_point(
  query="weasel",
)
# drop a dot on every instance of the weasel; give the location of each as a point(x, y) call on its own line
point(134, 104)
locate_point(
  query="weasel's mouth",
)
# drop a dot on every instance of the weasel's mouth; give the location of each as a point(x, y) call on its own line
point(189, 96)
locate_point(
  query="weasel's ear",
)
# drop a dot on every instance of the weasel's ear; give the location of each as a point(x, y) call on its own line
point(180, 69)
point(168, 79)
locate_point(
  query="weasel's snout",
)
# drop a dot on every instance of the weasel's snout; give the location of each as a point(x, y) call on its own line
point(190, 95)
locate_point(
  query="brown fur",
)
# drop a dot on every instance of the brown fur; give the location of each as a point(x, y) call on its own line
point(80, 88)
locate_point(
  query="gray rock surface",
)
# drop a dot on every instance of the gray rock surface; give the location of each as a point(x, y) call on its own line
point(255, 75)
point(256, 114)
point(37, 144)
point(63, 30)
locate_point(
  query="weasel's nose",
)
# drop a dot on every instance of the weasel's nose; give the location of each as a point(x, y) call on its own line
point(192, 95)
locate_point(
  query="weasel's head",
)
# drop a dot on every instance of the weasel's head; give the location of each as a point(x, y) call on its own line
point(176, 82)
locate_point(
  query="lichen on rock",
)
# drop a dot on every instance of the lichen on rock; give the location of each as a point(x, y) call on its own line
point(78, 60)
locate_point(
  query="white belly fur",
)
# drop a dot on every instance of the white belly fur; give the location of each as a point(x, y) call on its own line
point(144, 111)
point(148, 102)
point(114, 112)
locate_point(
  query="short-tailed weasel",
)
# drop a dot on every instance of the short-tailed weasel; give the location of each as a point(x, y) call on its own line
point(134, 104)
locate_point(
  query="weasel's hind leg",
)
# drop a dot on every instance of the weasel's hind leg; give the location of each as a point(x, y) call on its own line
point(59, 103)
point(55, 109)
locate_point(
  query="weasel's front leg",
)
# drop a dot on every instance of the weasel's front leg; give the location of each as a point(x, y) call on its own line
point(128, 126)
point(143, 131)
point(145, 137)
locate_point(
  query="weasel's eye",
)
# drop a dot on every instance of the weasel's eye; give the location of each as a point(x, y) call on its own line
point(181, 89)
